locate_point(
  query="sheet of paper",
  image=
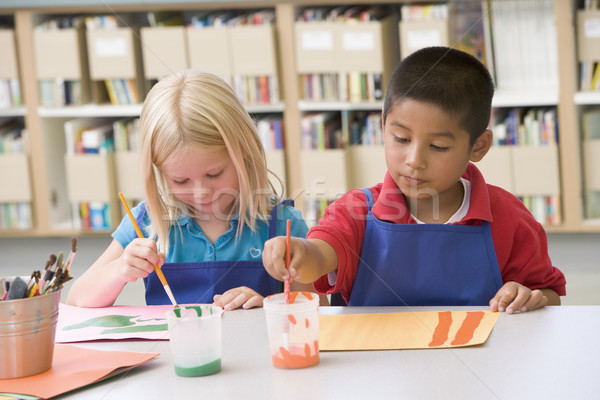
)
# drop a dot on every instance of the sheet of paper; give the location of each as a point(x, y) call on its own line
point(74, 367)
point(407, 330)
point(78, 324)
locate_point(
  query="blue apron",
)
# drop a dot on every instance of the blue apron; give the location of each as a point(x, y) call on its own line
point(425, 264)
point(198, 282)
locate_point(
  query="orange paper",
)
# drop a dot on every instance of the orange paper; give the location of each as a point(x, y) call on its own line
point(74, 367)
point(409, 330)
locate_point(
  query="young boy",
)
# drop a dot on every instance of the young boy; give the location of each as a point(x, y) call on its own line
point(433, 233)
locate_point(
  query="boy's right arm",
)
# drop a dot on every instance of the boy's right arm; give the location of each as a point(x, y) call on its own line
point(310, 259)
point(102, 283)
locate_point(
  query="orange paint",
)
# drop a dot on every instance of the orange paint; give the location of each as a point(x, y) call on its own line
point(467, 329)
point(306, 322)
point(308, 295)
point(296, 357)
point(293, 297)
point(440, 335)
point(292, 319)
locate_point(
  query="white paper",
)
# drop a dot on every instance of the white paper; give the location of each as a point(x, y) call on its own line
point(591, 27)
point(317, 40)
point(358, 41)
point(423, 38)
point(110, 47)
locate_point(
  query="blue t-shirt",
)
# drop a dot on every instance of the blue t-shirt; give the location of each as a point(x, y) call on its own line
point(190, 244)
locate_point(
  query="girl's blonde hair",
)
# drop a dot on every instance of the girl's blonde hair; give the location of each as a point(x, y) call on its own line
point(193, 108)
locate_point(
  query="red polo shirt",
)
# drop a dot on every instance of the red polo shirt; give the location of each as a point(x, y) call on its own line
point(519, 240)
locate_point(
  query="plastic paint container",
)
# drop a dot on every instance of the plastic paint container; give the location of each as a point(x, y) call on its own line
point(195, 336)
point(293, 329)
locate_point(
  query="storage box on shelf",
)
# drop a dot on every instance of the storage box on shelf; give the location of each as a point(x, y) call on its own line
point(61, 62)
point(10, 87)
point(114, 54)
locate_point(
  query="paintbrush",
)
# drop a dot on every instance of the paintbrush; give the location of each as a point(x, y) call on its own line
point(286, 282)
point(72, 255)
point(159, 272)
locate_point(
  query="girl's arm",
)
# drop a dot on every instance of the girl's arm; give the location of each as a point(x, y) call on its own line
point(102, 283)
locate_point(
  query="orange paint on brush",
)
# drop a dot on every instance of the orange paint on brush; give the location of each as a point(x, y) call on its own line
point(296, 357)
point(467, 329)
point(440, 335)
point(292, 319)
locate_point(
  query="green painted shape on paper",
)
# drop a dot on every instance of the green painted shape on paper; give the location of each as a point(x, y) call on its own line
point(136, 329)
point(104, 321)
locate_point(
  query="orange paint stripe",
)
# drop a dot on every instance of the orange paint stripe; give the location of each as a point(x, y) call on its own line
point(293, 297)
point(440, 335)
point(308, 295)
point(467, 329)
point(292, 319)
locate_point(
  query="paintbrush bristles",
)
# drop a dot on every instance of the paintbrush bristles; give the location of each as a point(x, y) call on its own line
point(59, 261)
point(74, 245)
point(53, 259)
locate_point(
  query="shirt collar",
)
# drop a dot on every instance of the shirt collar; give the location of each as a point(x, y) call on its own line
point(391, 206)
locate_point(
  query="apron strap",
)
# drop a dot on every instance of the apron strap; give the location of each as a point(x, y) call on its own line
point(369, 197)
point(275, 216)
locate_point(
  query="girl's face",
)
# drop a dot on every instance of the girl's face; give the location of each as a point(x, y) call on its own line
point(426, 151)
point(206, 180)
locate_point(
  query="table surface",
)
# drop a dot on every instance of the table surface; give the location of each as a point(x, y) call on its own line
point(549, 353)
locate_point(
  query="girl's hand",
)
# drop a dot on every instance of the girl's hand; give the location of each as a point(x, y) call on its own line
point(139, 258)
point(238, 297)
point(515, 298)
point(274, 257)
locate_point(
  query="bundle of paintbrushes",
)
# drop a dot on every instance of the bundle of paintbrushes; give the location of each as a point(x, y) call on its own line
point(55, 274)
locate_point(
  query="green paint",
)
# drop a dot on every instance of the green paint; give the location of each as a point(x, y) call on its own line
point(177, 310)
point(207, 369)
point(104, 321)
point(136, 329)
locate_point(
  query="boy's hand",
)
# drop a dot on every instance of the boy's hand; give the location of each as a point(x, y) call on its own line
point(139, 258)
point(238, 297)
point(274, 257)
point(514, 298)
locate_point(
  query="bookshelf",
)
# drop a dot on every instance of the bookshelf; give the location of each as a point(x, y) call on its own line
point(44, 124)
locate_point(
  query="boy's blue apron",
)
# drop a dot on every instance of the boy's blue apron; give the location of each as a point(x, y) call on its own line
point(425, 264)
point(198, 282)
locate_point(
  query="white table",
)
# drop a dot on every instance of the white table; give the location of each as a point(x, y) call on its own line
point(552, 353)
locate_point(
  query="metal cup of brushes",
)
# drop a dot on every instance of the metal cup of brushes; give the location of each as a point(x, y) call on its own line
point(28, 317)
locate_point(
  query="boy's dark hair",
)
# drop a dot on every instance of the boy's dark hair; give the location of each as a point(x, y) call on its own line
point(453, 80)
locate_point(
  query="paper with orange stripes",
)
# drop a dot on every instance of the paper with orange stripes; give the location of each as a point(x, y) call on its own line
point(406, 330)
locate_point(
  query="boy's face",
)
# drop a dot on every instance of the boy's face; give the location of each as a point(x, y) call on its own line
point(426, 151)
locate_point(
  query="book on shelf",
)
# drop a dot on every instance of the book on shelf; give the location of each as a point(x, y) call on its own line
point(322, 131)
point(270, 131)
point(10, 93)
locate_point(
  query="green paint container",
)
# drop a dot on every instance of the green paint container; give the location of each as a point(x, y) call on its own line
point(195, 336)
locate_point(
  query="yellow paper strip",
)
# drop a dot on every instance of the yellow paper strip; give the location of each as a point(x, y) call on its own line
point(409, 330)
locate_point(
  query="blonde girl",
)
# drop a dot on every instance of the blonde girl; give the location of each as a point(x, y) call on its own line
point(209, 207)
